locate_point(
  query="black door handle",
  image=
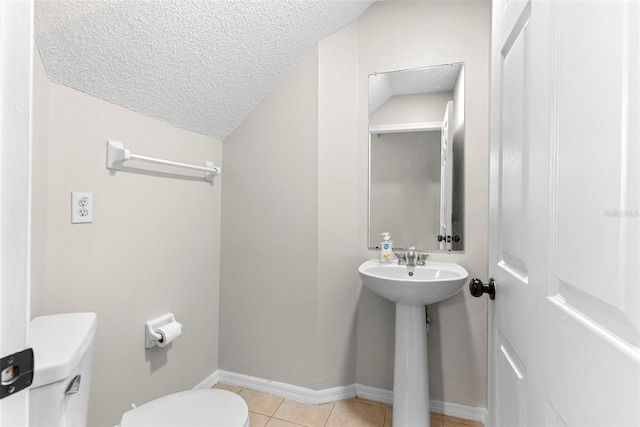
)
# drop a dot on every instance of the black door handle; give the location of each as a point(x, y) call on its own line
point(477, 288)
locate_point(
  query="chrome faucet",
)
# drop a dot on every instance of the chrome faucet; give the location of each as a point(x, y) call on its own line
point(411, 256)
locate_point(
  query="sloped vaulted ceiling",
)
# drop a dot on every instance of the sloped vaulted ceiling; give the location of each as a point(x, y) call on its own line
point(201, 65)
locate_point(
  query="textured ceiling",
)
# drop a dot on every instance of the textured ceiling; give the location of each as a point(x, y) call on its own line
point(201, 65)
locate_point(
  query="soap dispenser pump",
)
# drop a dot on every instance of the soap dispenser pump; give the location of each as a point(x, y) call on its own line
point(386, 249)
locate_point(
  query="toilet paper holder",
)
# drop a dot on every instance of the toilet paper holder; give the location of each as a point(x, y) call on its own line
point(151, 327)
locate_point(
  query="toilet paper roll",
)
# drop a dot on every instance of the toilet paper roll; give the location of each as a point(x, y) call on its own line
point(168, 333)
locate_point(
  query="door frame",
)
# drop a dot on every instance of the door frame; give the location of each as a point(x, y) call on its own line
point(16, 89)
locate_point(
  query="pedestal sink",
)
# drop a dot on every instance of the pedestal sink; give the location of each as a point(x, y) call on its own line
point(411, 288)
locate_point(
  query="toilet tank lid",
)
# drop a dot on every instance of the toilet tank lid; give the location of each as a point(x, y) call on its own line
point(59, 343)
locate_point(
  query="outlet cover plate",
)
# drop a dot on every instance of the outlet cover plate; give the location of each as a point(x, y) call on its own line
point(81, 207)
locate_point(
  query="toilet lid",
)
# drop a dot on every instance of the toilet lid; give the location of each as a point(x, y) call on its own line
point(205, 407)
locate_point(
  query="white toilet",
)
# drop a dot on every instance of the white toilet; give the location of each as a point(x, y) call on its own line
point(202, 407)
point(63, 354)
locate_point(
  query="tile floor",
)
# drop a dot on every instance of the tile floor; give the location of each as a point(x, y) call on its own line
point(266, 410)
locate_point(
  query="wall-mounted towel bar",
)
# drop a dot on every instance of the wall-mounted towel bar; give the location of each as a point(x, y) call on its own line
point(117, 155)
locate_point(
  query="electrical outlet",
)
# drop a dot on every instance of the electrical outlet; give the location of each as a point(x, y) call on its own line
point(81, 207)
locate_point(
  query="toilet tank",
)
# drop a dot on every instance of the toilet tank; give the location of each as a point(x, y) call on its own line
point(63, 356)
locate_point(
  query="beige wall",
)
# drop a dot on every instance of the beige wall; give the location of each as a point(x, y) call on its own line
point(338, 242)
point(152, 248)
point(294, 213)
point(268, 294)
point(39, 182)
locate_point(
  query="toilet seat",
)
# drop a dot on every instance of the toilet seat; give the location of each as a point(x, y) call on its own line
point(203, 407)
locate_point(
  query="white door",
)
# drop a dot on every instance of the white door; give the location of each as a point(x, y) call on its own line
point(446, 178)
point(564, 221)
point(16, 57)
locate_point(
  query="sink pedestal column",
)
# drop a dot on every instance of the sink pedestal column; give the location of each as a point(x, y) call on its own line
point(410, 375)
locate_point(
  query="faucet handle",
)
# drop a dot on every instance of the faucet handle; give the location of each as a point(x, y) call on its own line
point(421, 258)
point(402, 257)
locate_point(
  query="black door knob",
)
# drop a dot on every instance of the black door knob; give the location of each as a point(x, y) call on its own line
point(477, 288)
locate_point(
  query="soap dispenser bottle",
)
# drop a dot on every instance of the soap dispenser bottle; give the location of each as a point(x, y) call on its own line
point(386, 249)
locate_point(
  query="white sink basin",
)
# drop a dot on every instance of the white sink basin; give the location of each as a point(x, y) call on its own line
point(419, 285)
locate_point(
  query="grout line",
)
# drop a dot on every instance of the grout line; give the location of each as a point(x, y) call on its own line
point(441, 417)
point(329, 417)
point(276, 410)
point(287, 421)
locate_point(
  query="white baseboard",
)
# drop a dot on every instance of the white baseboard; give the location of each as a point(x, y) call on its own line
point(444, 408)
point(459, 411)
point(375, 394)
point(317, 397)
point(300, 394)
point(208, 382)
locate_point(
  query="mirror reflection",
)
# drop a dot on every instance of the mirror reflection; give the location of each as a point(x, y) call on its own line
point(416, 163)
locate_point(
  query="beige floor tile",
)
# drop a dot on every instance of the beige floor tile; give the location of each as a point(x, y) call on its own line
point(228, 387)
point(436, 419)
point(388, 418)
point(273, 411)
point(258, 420)
point(356, 414)
point(448, 421)
point(276, 422)
point(262, 403)
point(302, 413)
point(369, 402)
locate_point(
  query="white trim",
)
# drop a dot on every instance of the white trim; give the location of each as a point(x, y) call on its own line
point(405, 127)
point(318, 397)
point(16, 122)
point(208, 382)
point(300, 394)
point(375, 394)
point(458, 411)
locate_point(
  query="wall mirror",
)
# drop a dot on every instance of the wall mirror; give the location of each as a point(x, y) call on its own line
point(416, 158)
